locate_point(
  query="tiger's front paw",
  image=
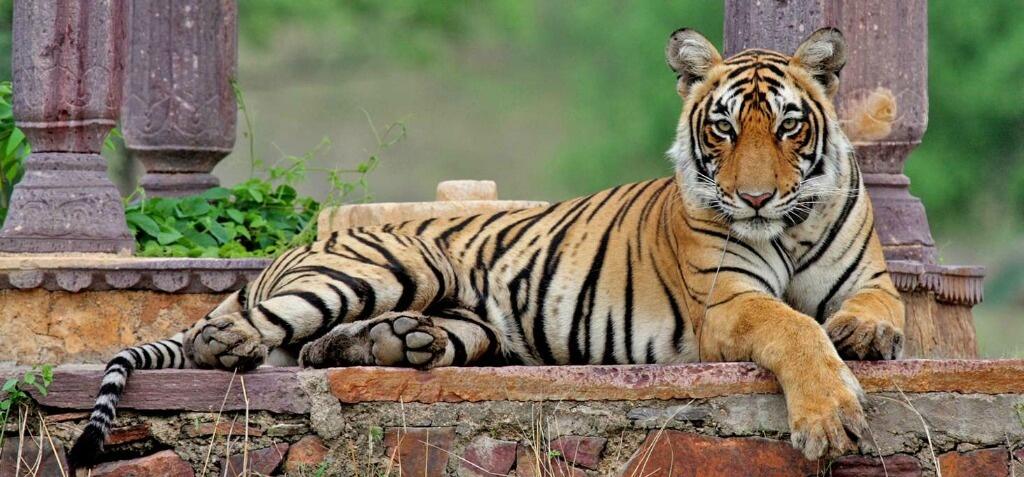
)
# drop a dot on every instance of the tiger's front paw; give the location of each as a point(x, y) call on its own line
point(225, 342)
point(826, 418)
point(859, 338)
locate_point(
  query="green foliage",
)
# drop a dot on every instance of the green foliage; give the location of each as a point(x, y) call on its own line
point(13, 150)
point(254, 218)
point(261, 217)
point(16, 391)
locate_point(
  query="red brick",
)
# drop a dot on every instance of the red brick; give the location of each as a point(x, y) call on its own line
point(305, 455)
point(261, 462)
point(899, 465)
point(67, 416)
point(580, 451)
point(487, 457)
point(527, 465)
point(980, 463)
point(126, 434)
point(162, 464)
point(222, 428)
point(48, 464)
point(683, 454)
point(420, 451)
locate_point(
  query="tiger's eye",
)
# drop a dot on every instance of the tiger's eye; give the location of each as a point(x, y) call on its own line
point(723, 125)
point(788, 124)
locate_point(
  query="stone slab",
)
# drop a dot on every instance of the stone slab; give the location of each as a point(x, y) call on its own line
point(278, 389)
point(638, 382)
point(269, 389)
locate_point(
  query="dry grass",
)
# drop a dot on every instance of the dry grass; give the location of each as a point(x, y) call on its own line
point(40, 443)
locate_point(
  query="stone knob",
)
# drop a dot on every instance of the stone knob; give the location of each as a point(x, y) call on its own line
point(457, 191)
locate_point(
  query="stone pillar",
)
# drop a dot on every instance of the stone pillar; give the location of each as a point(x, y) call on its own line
point(887, 49)
point(179, 107)
point(67, 64)
point(887, 45)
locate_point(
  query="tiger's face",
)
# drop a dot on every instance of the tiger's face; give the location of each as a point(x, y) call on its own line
point(758, 141)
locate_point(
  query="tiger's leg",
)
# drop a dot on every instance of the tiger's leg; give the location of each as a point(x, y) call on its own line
point(444, 338)
point(822, 395)
point(353, 276)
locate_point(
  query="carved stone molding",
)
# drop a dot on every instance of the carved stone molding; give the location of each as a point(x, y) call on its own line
point(179, 109)
point(173, 275)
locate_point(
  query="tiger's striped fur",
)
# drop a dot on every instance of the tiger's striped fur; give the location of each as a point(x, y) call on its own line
point(761, 247)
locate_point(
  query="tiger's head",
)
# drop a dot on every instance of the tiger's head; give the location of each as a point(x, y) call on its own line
point(758, 142)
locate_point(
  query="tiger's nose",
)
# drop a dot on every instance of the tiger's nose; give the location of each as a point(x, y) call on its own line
point(756, 200)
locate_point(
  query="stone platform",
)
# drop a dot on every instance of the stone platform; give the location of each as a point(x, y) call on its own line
point(967, 417)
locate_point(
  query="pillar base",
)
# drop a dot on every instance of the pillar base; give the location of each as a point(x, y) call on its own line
point(66, 203)
point(177, 184)
point(900, 219)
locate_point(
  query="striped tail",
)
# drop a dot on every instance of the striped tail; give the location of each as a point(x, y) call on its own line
point(159, 355)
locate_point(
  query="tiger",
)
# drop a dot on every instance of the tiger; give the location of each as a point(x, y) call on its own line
point(759, 247)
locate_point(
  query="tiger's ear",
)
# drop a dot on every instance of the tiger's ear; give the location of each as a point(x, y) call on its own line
point(823, 54)
point(690, 55)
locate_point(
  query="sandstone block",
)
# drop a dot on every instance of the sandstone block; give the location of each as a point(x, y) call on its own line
point(486, 457)
point(162, 464)
point(127, 434)
point(983, 462)
point(306, 455)
point(261, 462)
point(579, 451)
point(899, 465)
point(531, 462)
point(420, 451)
point(684, 454)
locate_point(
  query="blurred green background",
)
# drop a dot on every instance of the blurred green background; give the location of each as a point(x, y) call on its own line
point(556, 99)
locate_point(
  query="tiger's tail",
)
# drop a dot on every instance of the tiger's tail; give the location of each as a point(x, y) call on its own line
point(167, 353)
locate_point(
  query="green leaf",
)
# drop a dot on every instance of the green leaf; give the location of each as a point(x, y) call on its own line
point(193, 207)
point(10, 385)
point(42, 389)
point(14, 141)
point(168, 236)
point(29, 378)
point(217, 193)
point(143, 222)
point(219, 232)
point(236, 215)
point(201, 239)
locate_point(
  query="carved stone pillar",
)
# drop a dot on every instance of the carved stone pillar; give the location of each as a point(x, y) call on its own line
point(179, 107)
point(67, 63)
point(887, 48)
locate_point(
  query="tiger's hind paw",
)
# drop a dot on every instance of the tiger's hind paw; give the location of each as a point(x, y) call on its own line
point(393, 339)
point(225, 342)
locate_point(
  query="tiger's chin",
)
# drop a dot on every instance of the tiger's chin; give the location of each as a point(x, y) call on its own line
point(757, 229)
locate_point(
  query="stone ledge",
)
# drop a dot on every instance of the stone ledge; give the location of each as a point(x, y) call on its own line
point(74, 273)
point(281, 390)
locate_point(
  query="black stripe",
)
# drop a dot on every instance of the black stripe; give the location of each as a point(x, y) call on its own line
point(458, 347)
point(768, 287)
point(455, 228)
point(423, 226)
point(679, 323)
point(360, 287)
point(276, 320)
point(397, 269)
point(842, 278)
